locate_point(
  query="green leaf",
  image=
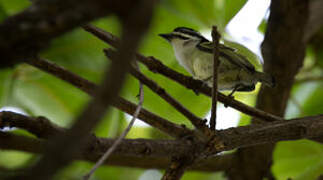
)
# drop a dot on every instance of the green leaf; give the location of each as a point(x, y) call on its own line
point(13, 159)
point(297, 158)
point(3, 13)
point(6, 84)
point(78, 169)
point(202, 175)
point(204, 13)
point(14, 6)
point(46, 95)
point(313, 105)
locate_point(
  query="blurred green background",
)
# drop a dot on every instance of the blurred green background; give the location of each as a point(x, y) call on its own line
point(37, 93)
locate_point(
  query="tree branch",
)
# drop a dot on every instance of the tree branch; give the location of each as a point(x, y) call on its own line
point(246, 136)
point(196, 121)
point(198, 86)
point(76, 137)
point(215, 39)
point(120, 103)
point(131, 153)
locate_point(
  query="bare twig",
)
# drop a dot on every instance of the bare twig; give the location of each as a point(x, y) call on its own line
point(120, 103)
point(76, 137)
point(196, 121)
point(108, 153)
point(157, 66)
point(215, 39)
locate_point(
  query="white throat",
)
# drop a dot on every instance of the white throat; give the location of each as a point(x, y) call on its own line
point(184, 52)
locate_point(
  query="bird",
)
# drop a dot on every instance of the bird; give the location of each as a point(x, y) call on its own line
point(195, 53)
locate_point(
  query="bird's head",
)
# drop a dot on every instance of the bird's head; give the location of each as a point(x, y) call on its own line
point(182, 35)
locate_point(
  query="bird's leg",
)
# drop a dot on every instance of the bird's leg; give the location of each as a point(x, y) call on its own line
point(196, 91)
point(236, 87)
point(234, 90)
point(231, 94)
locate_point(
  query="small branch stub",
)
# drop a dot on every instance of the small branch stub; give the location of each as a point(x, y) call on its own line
point(215, 38)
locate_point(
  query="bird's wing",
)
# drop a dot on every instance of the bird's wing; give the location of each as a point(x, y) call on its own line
point(228, 53)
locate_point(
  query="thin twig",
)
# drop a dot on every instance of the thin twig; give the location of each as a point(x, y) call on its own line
point(121, 137)
point(215, 38)
point(157, 66)
point(196, 121)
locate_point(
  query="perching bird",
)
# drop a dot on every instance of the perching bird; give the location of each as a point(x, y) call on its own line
point(195, 53)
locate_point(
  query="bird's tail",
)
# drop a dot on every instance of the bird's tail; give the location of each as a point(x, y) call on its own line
point(267, 79)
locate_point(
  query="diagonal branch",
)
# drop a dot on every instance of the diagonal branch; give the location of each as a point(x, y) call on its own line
point(120, 103)
point(196, 121)
point(76, 137)
point(157, 66)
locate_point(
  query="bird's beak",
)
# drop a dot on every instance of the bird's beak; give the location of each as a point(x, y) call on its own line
point(168, 37)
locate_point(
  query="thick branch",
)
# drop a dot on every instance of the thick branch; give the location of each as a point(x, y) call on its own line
point(307, 127)
point(25, 34)
point(156, 66)
point(131, 153)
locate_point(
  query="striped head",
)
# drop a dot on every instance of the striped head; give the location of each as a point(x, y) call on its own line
point(183, 34)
